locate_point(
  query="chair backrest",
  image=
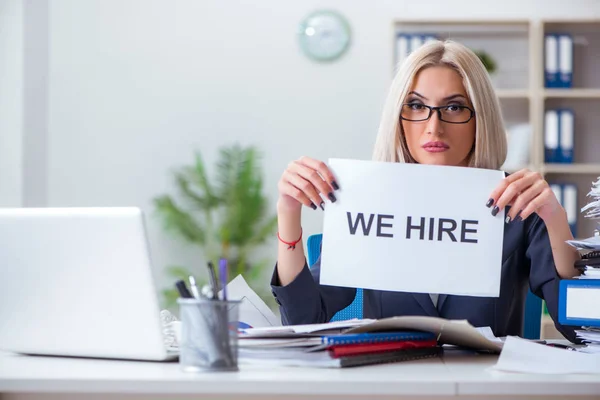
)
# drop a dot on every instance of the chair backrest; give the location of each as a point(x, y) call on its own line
point(532, 323)
point(355, 309)
point(533, 304)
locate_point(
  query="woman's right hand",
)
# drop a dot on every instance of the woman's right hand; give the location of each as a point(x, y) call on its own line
point(306, 181)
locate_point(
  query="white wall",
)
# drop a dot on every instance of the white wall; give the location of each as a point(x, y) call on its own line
point(11, 102)
point(136, 86)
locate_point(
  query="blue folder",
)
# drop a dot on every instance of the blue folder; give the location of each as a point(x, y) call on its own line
point(579, 316)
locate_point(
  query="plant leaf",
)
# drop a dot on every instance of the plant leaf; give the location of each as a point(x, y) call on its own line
point(178, 221)
point(178, 272)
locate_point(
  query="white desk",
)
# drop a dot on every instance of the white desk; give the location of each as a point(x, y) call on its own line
point(24, 377)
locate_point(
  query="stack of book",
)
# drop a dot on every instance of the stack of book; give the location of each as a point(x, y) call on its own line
point(359, 342)
point(579, 298)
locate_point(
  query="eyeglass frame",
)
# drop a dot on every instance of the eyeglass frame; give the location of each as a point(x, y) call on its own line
point(439, 112)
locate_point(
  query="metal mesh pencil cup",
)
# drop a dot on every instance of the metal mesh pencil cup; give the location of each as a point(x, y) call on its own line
point(209, 336)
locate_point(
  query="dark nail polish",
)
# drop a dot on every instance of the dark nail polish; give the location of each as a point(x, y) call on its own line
point(489, 203)
point(313, 206)
point(331, 197)
point(321, 205)
point(519, 217)
point(335, 185)
point(495, 210)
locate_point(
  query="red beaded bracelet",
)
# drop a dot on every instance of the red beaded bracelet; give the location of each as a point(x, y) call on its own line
point(291, 245)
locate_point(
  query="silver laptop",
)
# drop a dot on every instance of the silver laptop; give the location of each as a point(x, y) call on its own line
point(78, 282)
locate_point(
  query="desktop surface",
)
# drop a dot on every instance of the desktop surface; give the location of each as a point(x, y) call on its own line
point(450, 375)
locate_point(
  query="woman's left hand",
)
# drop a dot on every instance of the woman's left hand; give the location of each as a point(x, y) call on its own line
point(526, 192)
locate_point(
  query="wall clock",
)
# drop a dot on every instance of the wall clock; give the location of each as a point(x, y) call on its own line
point(324, 35)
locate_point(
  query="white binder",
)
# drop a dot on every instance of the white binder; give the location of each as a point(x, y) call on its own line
point(402, 48)
point(567, 128)
point(557, 189)
point(429, 38)
point(565, 61)
point(551, 136)
point(551, 62)
point(407, 43)
point(570, 205)
point(416, 41)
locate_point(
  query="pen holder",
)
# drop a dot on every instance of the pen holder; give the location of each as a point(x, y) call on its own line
point(209, 335)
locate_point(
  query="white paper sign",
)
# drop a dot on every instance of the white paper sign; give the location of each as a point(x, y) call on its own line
point(413, 228)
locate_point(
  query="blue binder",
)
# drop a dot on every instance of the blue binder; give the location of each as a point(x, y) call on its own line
point(569, 202)
point(565, 61)
point(551, 78)
point(551, 136)
point(579, 312)
point(407, 43)
point(566, 194)
point(566, 134)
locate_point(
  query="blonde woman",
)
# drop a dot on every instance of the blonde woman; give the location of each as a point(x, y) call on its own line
point(441, 110)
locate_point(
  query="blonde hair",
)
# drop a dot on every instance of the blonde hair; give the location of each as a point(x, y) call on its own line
point(490, 135)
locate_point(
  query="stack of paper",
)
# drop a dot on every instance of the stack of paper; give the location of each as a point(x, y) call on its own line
point(578, 306)
point(589, 248)
point(592, 209)
point(360, 342)
point(591, 243)
point(331, 345)
point(522, 355)
point(590, 336)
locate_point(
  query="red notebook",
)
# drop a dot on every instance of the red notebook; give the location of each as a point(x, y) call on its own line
point(368, 348)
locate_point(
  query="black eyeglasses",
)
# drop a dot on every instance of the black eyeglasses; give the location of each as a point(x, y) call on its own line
point(453, 114)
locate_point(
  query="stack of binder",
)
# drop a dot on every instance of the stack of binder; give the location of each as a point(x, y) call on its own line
point(566, 194)
point(559, 131)
point(407, 43)
point(558, 65)
point(578, 298)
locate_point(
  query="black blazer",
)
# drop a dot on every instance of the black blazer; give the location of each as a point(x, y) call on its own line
point(526, 260)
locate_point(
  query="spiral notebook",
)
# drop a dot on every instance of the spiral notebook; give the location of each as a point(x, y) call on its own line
point(375, 337)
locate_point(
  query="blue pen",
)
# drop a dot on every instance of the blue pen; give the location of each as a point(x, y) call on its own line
point(223, 276)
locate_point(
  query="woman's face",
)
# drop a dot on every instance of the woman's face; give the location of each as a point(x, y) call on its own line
point(433, 141)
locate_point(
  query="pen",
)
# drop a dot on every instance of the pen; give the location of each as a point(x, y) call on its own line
point(213, 280)
point(194, 287)
point(183, 290)
point(561, 346)
point(223, 276)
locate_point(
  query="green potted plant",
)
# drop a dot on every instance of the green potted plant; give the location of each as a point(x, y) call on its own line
point(487, 60)
point(225, 217)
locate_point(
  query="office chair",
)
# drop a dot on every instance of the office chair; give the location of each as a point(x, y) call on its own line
point(533, 304)
point(355, 309)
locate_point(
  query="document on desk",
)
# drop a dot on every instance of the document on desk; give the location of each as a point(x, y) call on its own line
point(521, 355)
point(253, 311)
point(413, 228)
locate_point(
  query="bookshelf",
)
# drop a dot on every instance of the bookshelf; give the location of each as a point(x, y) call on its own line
point(572, 93)
point(518, 47)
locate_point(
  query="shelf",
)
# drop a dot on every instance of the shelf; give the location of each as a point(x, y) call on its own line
point(513, 93)
point(517, 169)
point(572, 168)
point(572, 93)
